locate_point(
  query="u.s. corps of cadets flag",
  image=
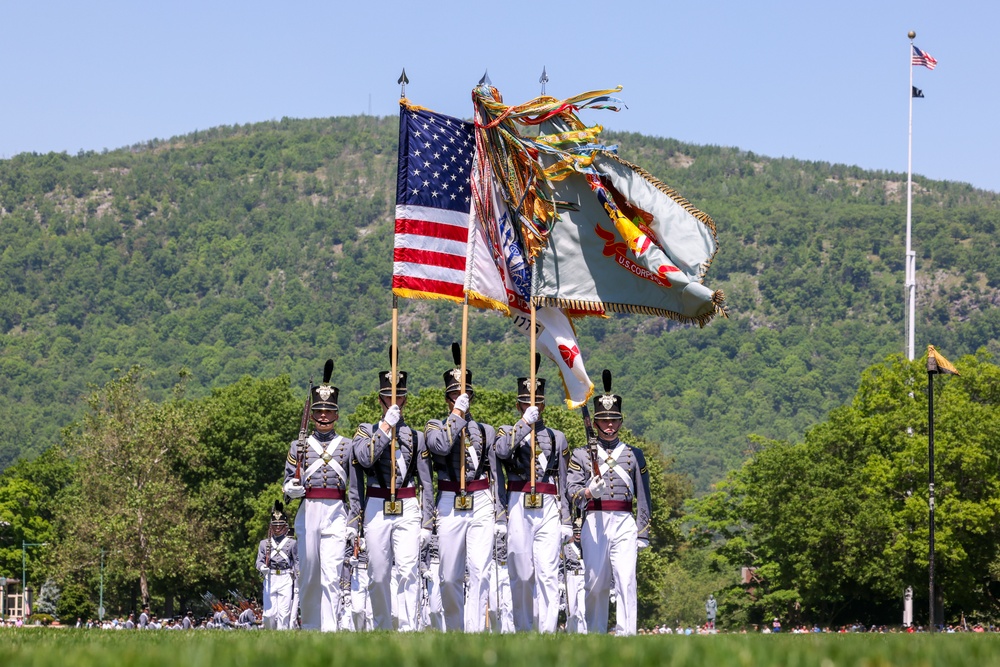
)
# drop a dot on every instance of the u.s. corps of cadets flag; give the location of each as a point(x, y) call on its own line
point(604, 234)
point(433, 197)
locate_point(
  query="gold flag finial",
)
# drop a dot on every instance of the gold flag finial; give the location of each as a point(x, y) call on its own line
point(936, 363)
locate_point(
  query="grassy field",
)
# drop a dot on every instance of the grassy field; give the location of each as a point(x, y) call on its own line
point(83, 648)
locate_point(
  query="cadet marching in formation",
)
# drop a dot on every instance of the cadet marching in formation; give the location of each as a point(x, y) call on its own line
point(507, 541)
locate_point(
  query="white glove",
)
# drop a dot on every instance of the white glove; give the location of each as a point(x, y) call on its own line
point(596, 487)
point(391, 417)
point(428, 575)
point(353, 560)
point(462, 403)
point(293, 488)
point(530, 415)
point(351, 533)
point(263, 570)
point(425, 537)
point(362, 545)
point(641, 543)
point(566, 532)
point(500, 528)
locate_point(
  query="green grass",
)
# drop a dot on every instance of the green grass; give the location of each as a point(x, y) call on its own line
point(83, 648)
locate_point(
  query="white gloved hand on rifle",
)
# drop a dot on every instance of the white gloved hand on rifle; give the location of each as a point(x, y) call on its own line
point(566, 532)
point(596, 487)
point(293, 488)
point(425, 537)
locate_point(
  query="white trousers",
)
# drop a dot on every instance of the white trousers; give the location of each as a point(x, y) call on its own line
point(501, 610)
point(361, 598)
point(393, 544)
point(576, 621)
point(321, 532)
point(465, 539)
point(533, 541)
point(608, 541)
point(277, 599)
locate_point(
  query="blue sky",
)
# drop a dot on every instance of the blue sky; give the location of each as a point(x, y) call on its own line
point(816, 81)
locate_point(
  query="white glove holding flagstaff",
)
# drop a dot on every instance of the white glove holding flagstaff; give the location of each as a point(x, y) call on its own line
point(566, 532)
point(425, 537)
point(596, 487)
point(391, 417)
point(500, 528)
point(351, 534)
point(362, 544)
point(293, 488)
point(462, 403)
point(641, 543)
point(530, 415)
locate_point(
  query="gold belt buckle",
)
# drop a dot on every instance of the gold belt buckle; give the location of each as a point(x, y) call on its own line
point(392, 507)
point(463, 502)
point(533, 501)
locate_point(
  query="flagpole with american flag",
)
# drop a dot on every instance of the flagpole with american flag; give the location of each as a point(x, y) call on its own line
point(917, 57)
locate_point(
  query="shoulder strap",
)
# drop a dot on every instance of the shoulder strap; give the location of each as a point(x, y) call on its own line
point(484, 455)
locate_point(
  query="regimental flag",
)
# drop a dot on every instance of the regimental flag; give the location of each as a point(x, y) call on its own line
point(604, 234)
point(917, 92)
point(433, 198)
point(936, 363)
point(626, 242)
point(922, 58)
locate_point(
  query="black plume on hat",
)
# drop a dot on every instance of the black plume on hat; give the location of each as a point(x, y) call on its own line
point(608, 406)
point(278, 513)
point(453, 378)
point(324, 397)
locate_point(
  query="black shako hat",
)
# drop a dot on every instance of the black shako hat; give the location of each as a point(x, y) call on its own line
point(608, 406)
point(453, 377)
point(324, 397)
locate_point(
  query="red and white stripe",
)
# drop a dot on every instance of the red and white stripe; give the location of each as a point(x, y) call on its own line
point(429, 254)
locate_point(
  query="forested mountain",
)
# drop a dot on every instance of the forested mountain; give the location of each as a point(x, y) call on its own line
point(264, 249)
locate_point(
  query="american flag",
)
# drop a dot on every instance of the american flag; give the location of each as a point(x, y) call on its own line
point(433, 199)
point(922, 58)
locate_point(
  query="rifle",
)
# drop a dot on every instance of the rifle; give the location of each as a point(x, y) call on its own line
point(588, 426)
point(303, 434)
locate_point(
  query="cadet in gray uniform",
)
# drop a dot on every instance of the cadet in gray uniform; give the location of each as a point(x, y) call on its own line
point(277, 561)
point(319, 470)
point(430, 570)
point(467, 520)
point(576, 621)
point(535, 530)
point(604, 479)
point(395, 528)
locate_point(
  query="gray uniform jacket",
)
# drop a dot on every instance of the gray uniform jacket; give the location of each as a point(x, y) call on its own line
point(514, 449)
point(337, 473)
point(373, 453)
point(443, 440)
point(632, 464)
point(278, 555)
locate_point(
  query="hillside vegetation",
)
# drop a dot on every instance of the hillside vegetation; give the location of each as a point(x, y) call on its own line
point(264, 249)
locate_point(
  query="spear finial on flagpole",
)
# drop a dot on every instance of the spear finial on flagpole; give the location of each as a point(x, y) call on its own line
point(402, 81)
point(486, 79)
point(543, 79)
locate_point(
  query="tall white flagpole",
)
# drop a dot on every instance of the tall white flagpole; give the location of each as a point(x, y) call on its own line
point(911, 256)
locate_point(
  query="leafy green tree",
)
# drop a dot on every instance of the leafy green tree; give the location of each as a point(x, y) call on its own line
point(127, 496)
point(836, 527)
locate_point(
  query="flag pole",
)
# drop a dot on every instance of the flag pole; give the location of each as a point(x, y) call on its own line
point(911, 256)
point(533, 500)
point(393, 375)
point(465, 345)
